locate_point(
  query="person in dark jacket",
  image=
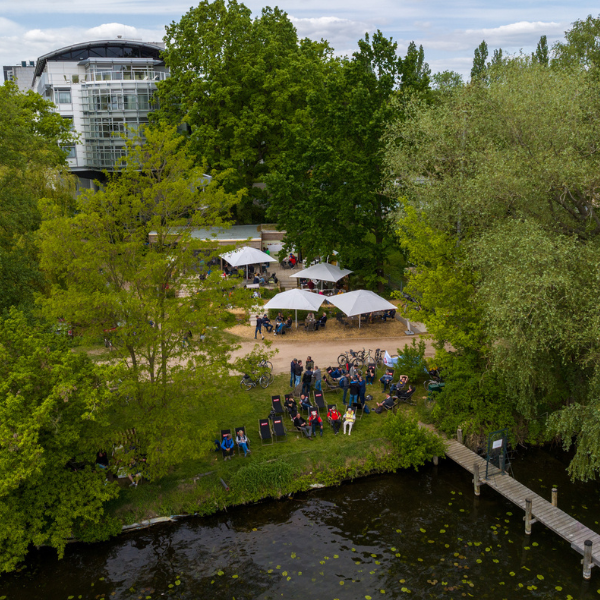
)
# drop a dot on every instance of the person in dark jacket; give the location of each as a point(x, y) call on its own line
point(387, 403)
point(344, 383)
point(354, 392)
point(293, 371)
point(227, 447)
point(298, 373)
point(363, 389)
point(258, 329)
point(302, 426)
point(306, 381)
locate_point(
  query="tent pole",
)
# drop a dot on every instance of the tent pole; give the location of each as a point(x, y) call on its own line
point(296, 312)
point(359, 321)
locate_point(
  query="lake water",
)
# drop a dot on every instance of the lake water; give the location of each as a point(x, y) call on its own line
point(408, 535)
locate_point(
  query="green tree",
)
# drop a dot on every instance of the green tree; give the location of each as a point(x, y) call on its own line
point(126, 263)
point(237, 82)
point(509, 182)
point(581, 46)
point(446, 81)
point(497, 58)
point(31, 167)
point(327, 192)
point(53, 408)
point(479, 61)
point(541, 54)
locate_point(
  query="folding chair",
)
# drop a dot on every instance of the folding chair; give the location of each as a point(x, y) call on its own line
point(279, 429)
point(319, 400)
point(225, 432)
point(391, 409)
point(406, 396)
point(264, 430)
point(358, 406)
point(277, 407)
point(287, 398)
point(329, 407)
point(331, 387)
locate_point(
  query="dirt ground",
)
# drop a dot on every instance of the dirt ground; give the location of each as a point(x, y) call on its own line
point(324, 351)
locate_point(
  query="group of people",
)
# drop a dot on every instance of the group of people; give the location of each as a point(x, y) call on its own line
point(352, 384)
point(315, 422)
point(227, 444)
point(280, 327)
point(312, 321)
point(311, 377)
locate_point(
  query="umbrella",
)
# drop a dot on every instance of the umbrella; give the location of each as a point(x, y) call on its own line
point(324, 272)
point(360, 302)
point(296, 300)
point(245, 256)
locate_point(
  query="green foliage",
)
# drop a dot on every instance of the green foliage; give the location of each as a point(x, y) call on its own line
point(581, 47)
point(541, 54)
point(126, 264)
point(259, 479)
point(479, 67)
point(53, 407)
point(326, 192)
point(97, 531)
point(31, 167)
point(411, 361)
point(238, 82)
point(415, 445)
point(446, 82)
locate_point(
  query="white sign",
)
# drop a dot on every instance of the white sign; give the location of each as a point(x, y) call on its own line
point(497, 444)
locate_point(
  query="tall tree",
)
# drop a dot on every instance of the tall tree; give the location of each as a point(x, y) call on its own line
point(237, 81)
point(479, 61)
point(327, 192)
point(541, 53)
point(581, 46)
point(514, 183)
point(31, 167)
point(126, 262)
point(53, 420)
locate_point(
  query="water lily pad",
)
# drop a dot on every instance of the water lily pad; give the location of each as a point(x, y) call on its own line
point(341, 583)
point(177, 582)
point(374, 555)
point(420, 559)
point(442, 531)
point(284, 574)
point(559, 589)
point(479, 560)
point(299, 572)
point(393, 549)
point(357, 562)
point(540, 577)
point(509, 514)
point(270, 571)
point(367, 597)
point(335, 556)
point(398, 530)
point(535, 544)
point(402, 580)
point(423, 530)
point(512, 573)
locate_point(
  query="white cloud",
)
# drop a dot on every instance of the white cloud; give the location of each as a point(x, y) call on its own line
point(340, 33)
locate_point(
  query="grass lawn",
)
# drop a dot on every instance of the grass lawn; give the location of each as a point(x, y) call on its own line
point(195, 485)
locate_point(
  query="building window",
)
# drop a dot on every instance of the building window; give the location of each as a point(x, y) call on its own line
point(70, 150)
point(63, 96)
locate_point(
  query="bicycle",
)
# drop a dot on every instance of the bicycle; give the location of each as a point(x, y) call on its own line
point(351, 358)
point(436, 378)
point(247, 382)
point(379, 355)
point(266, 364)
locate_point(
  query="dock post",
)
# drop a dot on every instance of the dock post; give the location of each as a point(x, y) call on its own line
point(528, 511)
point(476, 478)
point(435, 461)
point(459, 437)
point(554, 497)
point(587, 559)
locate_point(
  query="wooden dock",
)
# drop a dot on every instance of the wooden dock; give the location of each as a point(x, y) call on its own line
point(543, 511)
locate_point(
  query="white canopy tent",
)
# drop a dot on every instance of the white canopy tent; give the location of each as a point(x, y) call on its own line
point(360, 302)
point(323, 272)
point(246, 255)
point(295, 300)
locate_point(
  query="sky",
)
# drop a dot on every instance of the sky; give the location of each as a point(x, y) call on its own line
point(449, 30)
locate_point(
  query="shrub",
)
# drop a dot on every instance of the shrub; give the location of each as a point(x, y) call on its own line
point(411, 361)
point(258, 480)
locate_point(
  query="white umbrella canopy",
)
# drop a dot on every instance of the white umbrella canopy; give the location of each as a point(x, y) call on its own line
point(295, 300)
point(324, 272)
point(245, 256)
point(360, 302)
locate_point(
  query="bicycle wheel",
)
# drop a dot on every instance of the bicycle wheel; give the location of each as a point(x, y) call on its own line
point(264, 381)
point(268, 363)
point(428, 383)
point(246, 385)
point(342, 359)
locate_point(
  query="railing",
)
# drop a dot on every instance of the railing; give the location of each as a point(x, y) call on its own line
point(101, 76)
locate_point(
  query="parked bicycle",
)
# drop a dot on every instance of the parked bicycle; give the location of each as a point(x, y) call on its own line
point(352, 358)
point(248, 382)
point(266, 364)
point(435, 377)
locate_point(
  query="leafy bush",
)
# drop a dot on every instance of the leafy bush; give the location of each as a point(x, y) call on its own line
point(258, 480)
point(90, 531)
point(411, 361)
point(414, 444)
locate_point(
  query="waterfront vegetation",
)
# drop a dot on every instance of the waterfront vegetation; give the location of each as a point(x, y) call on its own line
point(486, 191)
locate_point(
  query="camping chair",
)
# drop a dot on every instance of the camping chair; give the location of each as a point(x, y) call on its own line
point(329, 407)
point(277, 406)
point(391, 409)
point(287, 398)
point(406, 397)
point(319, 400)
point(279, 429)
point(341, 320)
point(331, 387)
point(243, 428)
point(225, 432)
point(358, 406)
point(264, 430)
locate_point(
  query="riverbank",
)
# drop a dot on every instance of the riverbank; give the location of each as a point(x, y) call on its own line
point(274, 470)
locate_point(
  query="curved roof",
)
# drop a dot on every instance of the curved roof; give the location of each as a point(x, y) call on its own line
point(120, 48)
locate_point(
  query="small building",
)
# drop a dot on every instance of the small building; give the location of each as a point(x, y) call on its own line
point(21, 75)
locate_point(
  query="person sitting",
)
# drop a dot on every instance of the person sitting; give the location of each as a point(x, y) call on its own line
point(388, 404)
point(370, 374)
point(279, 318)
point(256, 279)
point(349, 418)
point(291, 406)
point(386, 379)
point(227, 447)
point(288, 323)
point(407, 394)
point(293, 261)
point(335, 418)
point(102, 460)
point(280, 328)
point(315, 422)
point(242, 442)
point(266, 323)
point(305, 402)
point(311, 285)
point(310, 320)
point(262, 280)
point(400, 385)
point(256, 294)
point(302, 426)
point(389, 314)
point(322, 321)
point(334, 373)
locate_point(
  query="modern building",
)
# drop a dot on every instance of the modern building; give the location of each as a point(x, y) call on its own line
point(21, 74)
point(106, 89)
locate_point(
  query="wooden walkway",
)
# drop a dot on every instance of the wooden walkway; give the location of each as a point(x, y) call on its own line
point(552, 517)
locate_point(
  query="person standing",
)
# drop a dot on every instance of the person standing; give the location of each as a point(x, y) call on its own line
point(306, 381)
point(310, 363)
point(258, 329)
point(363, 389)
point(354, 392)
point(318, 379)
point(298, 373)
point(293, 372)
point(345, 385)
